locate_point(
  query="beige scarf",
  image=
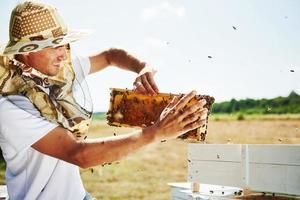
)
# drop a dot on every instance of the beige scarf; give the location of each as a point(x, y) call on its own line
point(51, 95)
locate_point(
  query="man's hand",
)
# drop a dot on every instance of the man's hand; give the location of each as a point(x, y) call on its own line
point(177, 119)
point(145, 84)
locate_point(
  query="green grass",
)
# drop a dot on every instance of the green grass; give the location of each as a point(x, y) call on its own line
point(240, 116)
point(2, 172)
point(99, 116)
point(232, 116)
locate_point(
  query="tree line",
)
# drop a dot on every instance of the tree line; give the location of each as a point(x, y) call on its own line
point(278, 105)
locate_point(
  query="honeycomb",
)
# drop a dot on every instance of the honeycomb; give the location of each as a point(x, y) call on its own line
point(131, 109)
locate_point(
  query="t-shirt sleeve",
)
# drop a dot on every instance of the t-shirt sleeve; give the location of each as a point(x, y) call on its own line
point(21, 124)
point(82, 67)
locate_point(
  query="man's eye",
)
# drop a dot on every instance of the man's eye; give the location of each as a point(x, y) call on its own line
point(59, 46)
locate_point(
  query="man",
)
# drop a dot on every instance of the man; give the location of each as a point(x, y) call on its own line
point(40, 120)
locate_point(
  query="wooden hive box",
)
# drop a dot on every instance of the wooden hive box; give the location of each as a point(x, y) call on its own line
point(259, 168)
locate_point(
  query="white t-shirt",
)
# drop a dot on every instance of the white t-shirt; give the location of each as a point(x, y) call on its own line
point(29, 173)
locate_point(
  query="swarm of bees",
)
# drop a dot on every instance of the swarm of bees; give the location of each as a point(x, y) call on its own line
point(131, 109)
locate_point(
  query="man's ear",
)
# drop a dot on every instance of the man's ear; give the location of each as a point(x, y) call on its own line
point(22, 57)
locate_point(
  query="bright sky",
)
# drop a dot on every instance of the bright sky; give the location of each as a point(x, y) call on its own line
point(177, 36)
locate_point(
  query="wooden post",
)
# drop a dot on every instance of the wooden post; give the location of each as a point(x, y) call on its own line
point(195, 187)
point(247, 191)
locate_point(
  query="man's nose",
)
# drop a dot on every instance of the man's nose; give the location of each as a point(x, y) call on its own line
point(61, 53)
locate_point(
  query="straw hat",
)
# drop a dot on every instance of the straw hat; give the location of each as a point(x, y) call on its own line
point(35, 26)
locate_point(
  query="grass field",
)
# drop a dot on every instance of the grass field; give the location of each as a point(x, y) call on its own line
point(145, 174)
point(142, 175)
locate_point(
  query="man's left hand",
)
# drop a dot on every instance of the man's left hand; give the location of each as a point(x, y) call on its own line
point(145, 84)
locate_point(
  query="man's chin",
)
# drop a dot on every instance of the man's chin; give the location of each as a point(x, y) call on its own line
point(53, 72)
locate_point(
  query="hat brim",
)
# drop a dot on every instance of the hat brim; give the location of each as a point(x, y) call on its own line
point(23, 47)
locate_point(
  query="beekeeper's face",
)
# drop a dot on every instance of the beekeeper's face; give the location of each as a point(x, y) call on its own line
point(47, 61)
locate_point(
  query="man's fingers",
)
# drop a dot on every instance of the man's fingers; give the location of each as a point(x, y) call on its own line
point(169, 109)
point(200, 114)
point(190, 110)
point(138, 86)
point(202, 102)
point(173, 102)
point(147, 86)
point(184, 100)
point(196, 124)
point(141, 89)
point(152, 82)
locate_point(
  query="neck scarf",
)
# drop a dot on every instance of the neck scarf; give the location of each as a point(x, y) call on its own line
point(51, 95)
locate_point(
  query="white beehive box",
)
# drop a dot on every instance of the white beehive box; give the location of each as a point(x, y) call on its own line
point(3, 192)
point(176, 190)
point(261, 168)
point(183, 191)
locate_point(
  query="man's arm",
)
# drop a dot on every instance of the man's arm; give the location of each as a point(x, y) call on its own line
point(61, 143)
point(174, 121)
point(144, 83)
point(115, 57)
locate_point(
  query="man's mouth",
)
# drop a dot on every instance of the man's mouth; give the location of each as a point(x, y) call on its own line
point(56, 64)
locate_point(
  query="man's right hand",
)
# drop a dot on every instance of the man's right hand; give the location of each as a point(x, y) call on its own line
point(176, 119)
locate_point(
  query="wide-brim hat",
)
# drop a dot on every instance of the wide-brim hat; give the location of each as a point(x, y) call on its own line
point(35, 26)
